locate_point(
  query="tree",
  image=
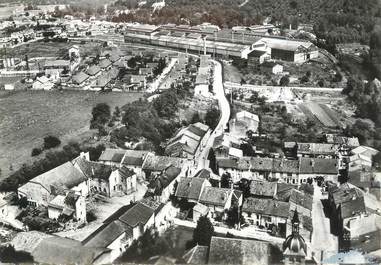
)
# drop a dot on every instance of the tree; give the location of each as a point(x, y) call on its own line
point(375, 50)
point(51, 142)
point(233, 216)
point(284, 81)
point(212, 117)
point(195, 118)
point(212, 161)
point(203, 232)
point(8, 254)
point(36, 151)
point(363, 129)
point(101, 115)
point(226, 180)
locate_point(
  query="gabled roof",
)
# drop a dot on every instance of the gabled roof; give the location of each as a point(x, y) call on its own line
point(301, 199)
point(93, 70)
point(318, 165)
point(159, 163)
point(353, 207)
point(215, 196)
point(112, 155)
point(104, 63)
point(59, 250)
point(266, 207)
point(317, 148)
point(256, 53)
point(107, 234)
point(365, 150)
point(138, 214)
point(134, 157)
point(79, 78)
point(164, 179)
point(196, 255)
point(64, 176)
point(263, 188)
point(239, 251)
point(94, 169)
point(190, 188)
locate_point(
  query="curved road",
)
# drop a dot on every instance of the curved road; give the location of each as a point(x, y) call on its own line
point(218, 89)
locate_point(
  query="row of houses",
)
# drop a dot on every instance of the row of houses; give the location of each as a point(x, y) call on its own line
point(295, 172)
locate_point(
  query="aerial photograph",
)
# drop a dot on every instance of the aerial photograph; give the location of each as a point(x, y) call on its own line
point(236, 132)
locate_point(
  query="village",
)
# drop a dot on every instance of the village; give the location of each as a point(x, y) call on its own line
point(274, 177)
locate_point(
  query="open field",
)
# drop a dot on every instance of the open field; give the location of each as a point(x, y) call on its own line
point(27, 116)
point(51, 49)
point(321, 113)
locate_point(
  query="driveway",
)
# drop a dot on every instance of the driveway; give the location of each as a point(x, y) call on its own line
point(323, 243)
point(218, 89)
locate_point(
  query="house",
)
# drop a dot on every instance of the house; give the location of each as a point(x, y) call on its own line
point(190, 188)
point(365, 151)
point(121, 229)
point(302, 202)
point(224, 143)
point(93, 70)
point(267, 213)
point(139, 81)
point(42, 83)
point(134, 159)
point(351, 142)
point(112, 157)
point(224, 250)
point(317, 150)
point(255, 58)
point(196, 255)
point(244, 121)
point(199, 210)
point(291, 50)
point(218, 200)
point(263, 189)
point(359, 162)
point(311, 168)
point(153, 165)
point(271, 68)
point(61, 65)
point(145, 71)
point(367, 180)
point(80, 79)
point(52, 249)
point(188, 141)
point(161, 186)
point(68, 206)
point(41, 189)
point(108, 180)
point(363, 233)
point(104, 63)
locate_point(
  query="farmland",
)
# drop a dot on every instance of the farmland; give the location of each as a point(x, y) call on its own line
point(27, 116)
point(321, 113)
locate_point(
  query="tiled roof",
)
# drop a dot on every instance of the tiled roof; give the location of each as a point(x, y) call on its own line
point(80, 78)
point(161, 181)
point(318, 165)
point(138, 214)
point(94, 169)
point(190, 188)
point(317, 148)
point(112, 155)
point(107, 234)
point(263, 188)
point(215, 196)
point(196, 255)
point(134, 157)
point(93, 70)
point(159, 163)
point(64, 176)
point(239, 251)
point(301, 199)
point(353, 207)
point(345, 193)
point(266, 207)
point(365, 150)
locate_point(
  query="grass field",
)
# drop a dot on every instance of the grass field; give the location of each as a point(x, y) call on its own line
point(27, 116)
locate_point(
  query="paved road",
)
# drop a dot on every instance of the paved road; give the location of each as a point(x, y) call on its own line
point(218, 89)
point(322, 239)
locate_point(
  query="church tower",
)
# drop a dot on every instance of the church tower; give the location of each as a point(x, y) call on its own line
point(294, 247)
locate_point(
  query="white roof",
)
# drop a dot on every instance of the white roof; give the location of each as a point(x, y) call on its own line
point(246, 114)
point(365, 150)
point(235, 152)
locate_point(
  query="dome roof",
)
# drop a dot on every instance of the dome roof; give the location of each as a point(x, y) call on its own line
point(295, 244)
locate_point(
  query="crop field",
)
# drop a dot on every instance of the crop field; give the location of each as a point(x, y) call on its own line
point(50, 49)
point(321, 113)
point(27, 116)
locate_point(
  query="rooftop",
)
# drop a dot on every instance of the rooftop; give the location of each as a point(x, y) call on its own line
point(215, 196)
point(190, 188)
point(266, 207)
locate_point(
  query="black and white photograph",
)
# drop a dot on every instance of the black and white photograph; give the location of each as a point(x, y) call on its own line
point(163, 132)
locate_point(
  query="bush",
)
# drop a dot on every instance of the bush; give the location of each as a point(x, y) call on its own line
point(51, 142)
point(36, 151)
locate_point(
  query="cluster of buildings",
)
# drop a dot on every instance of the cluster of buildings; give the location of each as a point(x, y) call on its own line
point(223, 43)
